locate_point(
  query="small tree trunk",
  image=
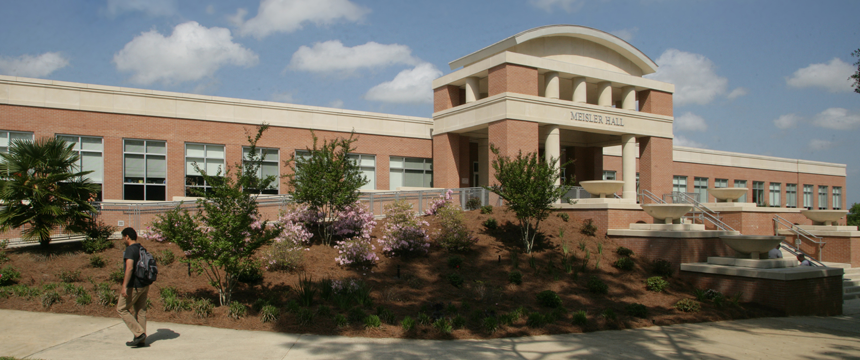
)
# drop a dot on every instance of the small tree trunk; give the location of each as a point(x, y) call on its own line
point(44, 241)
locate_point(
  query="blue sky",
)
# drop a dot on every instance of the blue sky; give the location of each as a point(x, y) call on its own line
point(762, 77)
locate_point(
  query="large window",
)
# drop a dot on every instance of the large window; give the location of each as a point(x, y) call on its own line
point(758, 193)
point(791, 195)
point(822, 197)
point(90, 151)
point(410, 172)
point(608, 175)
point(270, 166)
point(837, 198)
point(144, 170)
point(721, 183)
point(210, 159)
point(775, 193)
point(367, 164)
point(700, 187)
point(679, 184)
point(7, 137)
point(741, 184)
point(807, 197)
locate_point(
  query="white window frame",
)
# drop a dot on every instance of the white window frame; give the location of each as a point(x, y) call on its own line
point(427, 169)
point(741, 184)
point(274, 188)
point(807, 196)
point(775, 194)
point(359, 157)
point(146, 185)
point(79, 150)
point(6, 138)
point(791, 195)
point(700, 188)
point(836, 194)
point(202, 165)
point(822, 197)
point(609, 175)
point(758, 193)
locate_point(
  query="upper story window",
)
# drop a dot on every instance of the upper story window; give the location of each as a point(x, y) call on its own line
point(822, 197)
point(837, 198)
point(741, 184)
point(775, 194)
point(758, 193)
point(807, 197)
point(210, 159)
point(367, 165)
point(144, 170)
point(7, 137)
point(791, 195)
point(270, 166)
point(90, 152)
point(608, 175)
point(700, 187)
point(721, 183)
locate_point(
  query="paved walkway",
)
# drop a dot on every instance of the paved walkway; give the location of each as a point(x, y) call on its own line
point(61, 336)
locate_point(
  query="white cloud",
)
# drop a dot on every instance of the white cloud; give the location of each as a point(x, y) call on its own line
point(682, 141)
point(331, 56)
point(190, 53)
point(337, 103)
point(284, 97)
point(626, 34)
point(690, 122)
point(787, 121)
point(694, 76)
point(737, 92)
point(149, 7)
point(818, 144)
point(409, 86)
point(290, 15)
point(832, 76)
point(837, 119)
point(549, 5)
point(33, 66)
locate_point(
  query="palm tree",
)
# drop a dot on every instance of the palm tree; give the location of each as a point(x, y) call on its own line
point(41, 186)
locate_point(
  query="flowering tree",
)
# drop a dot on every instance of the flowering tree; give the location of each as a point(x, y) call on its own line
point(354, 225)
point(404, 234)
point(287, 251)
point(227, 229)
point(441, 201)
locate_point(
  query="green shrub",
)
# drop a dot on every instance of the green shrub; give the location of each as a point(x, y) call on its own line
point(588, 228)
point(624, 263)
point(202, 308)
point(306, 289)
point(608, 314)
point(456, 279)
point(407, 323)
point(3, 256)
point(106, 296)
point(386, 315)
point(175, 304)
point(687, 305)
point(491, 224)
point(580, 318)
point(372, 321)
point(487, 209)
point(451, 309)
point(564, 216)
point(9, 275)
point(662, 267)
point(623, 251)
point(97, 261)
point(237, 310)
point(454, 235)
point(83, 299)
point(473, 203)
point(168, 292)
point(250, 273)
point(97, 237)
point(656, 283)
point(443, 325)
point(356, 315)
point(50, 286)
point(165, 257)
point(49, 298)
point(597, 286)
point(324, 311)
point(454, 262)
point(700, 294)
point(74, 290)
point(292, 306)
point(548, 298)
point(305, 316)
point(558, 313)
point(24, 291)
point(637, 310)
point(423, 319)
point(536, 320)
point(117, 275)
point(458, 322)
point(269, 313)
point(490, 324)
point(515, 277)
point(506, 319)
point(69, 276)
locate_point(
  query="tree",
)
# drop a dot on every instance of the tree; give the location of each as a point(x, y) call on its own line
point(854, 215)
point(326, 179)
point(528, 184)
point(42, 187)
point(227, 229)
point(856, 76)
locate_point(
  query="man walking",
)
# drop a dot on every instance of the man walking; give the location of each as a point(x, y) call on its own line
point(131, 305)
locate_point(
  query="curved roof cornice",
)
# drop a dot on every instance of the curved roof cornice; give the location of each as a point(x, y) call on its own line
point(600, 37)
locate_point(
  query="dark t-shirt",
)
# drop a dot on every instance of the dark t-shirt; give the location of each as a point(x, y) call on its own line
point(132, 252)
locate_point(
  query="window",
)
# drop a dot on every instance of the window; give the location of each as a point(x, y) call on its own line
point(475, 171)
point(144, 170)
point(721, 183)
point(822, 197)
point(679, 184)
point(758, 193)
point(7, 137)
point(741, 184)
point(791, 195)
point(367, 164)
point(210, 159)
point(90, 151)
point(837, 198)
point(410, 172)
point(807, 197)
point(608, 175)
point(775, 193)
point(268, 167)
point(700, 187)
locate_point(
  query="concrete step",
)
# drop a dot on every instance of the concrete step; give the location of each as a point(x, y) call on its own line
point(852, 273)
point(852, 296)
point(850, 282)
point(850, 292)
point(844, 266)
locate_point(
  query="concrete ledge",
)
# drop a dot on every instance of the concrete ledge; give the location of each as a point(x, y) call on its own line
point(611, 206)
point(752, 263)
point(834, 233)
point(785, 274)
point(670, 234)
point(668, 227)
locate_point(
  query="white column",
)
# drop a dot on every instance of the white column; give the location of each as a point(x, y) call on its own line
point(628, 166)
point(472, 89)
point(552, 148)
point(551, 80)
point(604, 92)
point(579, 92)
point(628, 98)
point(483, 162)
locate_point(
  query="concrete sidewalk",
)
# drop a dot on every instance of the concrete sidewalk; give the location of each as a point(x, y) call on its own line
point(60, 336)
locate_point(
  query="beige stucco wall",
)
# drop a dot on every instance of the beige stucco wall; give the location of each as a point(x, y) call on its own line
point(578, 51)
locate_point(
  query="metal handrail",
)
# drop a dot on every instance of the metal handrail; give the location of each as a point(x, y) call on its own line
point(707, 213)
point(650, 195)
point(801, 234)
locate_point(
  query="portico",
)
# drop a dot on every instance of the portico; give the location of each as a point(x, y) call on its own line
point(566, 91)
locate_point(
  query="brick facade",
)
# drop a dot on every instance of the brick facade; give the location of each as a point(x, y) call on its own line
point(656, 165)
point(655, 102)
point(511, 137)
point(513, 78)
point(446, 97)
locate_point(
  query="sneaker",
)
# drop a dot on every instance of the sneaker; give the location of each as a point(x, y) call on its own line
point(136, 341)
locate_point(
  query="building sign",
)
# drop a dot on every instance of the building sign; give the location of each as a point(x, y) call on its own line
point(597, 118)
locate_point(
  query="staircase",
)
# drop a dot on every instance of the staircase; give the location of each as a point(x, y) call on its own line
point(851, 284)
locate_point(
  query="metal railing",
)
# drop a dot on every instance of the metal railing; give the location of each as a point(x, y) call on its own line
point(647, 194)
point(702, 212)
point(800, 235)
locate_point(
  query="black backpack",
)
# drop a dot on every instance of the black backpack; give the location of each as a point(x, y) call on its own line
point(146, 270)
